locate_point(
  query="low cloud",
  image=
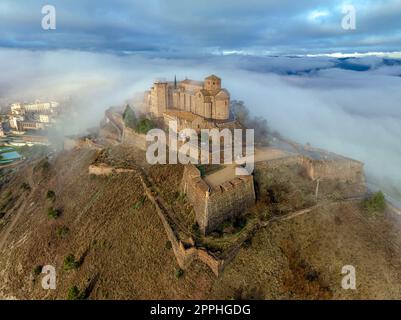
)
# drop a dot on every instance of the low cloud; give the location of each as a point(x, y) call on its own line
point(349, 106)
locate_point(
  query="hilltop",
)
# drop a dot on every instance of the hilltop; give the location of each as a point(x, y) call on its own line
point(122, 251)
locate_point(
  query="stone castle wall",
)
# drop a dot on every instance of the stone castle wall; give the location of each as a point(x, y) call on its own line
point(196, 189)
point(184, 254)
point(229, 200)
point(339, 169)
point(212, 206)
point(342, 169)
point(130, 137)
point(125, 134)
point(102, 169)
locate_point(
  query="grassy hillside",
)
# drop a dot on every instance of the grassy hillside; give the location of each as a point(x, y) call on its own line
point(120, 250)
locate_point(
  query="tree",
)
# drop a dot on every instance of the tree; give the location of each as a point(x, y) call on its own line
point(376, 203)
point(51, 195)
point(129, 117)
point(74, 294)
point(53, 213)
point(70, 263)
point(144, 125)
point(240, 111)
point(241, 114)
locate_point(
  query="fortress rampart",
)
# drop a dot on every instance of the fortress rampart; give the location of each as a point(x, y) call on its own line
point(214, 205)
point(102, 169)
point(184, 253)
point(130, 137)
point(339, 168)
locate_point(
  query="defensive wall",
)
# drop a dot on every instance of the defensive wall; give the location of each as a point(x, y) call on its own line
point(338, 168)
point(213, 205)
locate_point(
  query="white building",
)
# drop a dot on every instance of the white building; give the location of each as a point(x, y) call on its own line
point(16, 108)
point(14, 119)
point(38, 106)
point(44, 118)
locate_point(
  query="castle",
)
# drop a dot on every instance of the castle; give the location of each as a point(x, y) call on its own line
point(220, 197)
point(192, 104)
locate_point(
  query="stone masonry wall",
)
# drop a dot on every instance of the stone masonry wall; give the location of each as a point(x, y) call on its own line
point(196, 189)
point(228, 201)
point(342, 169)
point(132, 138)
point(106, 170)
point(212, 206)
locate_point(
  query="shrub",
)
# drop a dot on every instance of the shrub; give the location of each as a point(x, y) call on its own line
point(45, 165)
point(179, 273)
point(129, 117)
point(139, 203)
point(202, 170)
point(53, 213)
point(247, 243)
point(37, 270)
point(168, 245)
point(70, 263)
point(195, 229)
point(25, 186)
point(375, 204)
point(240, 222)
point(144, 125)
point(51, 195)
point(62, 231)
point(260, 125)
point(74, 294)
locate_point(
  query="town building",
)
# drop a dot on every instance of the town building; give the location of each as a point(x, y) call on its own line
point(31, 116)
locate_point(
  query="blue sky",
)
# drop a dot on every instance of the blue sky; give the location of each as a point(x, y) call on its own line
point(189, 28)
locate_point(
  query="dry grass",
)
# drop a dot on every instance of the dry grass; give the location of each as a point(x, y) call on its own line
point(123, 254)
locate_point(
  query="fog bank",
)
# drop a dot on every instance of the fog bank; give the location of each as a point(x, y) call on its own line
point(349, 106)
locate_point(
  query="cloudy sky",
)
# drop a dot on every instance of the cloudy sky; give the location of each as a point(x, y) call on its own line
point(178, 27)
point(290, 61)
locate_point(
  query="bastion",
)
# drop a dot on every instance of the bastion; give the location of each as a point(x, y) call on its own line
point(214, 205)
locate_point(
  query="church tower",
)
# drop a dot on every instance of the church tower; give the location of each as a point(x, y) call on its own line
point(212, 84)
